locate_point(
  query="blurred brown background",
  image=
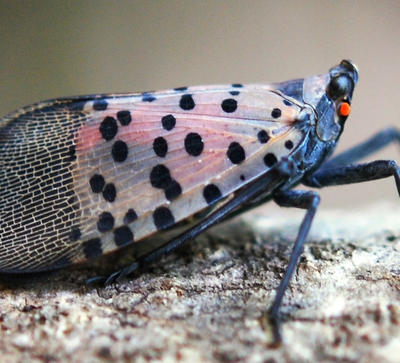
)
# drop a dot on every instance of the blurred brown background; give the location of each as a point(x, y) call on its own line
point(58, 48)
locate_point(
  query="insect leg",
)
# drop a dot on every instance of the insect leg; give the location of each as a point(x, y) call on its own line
point(268, 182)
point(368, 147)
point(308, 200)
point(355, 173)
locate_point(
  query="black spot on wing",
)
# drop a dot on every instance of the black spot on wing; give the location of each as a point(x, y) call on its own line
point(97, 183)
point(92, 248)
point(229, 105)
point(194, 144)
point(263, 136)
point(108, 128)
point(100, 105)
point(186, 102)
point(168, 122)
point(123, 236)
point(105, 222)
point(146, 97)
point(109, 192)
point(130, 216)
point(160, 178)
point(270, 159)
point(289, 144)
point(236, 153)
point(160, 147)
point(276, 113)
point(124, 117)
point(173, 190)
point(163, 218)
point(119, 151)
point(180, 89)
point(211, 193)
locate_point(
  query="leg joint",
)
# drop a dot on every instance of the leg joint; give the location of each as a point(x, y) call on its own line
point(297, 199)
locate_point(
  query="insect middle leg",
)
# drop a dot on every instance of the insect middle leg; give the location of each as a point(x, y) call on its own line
point(308, 200)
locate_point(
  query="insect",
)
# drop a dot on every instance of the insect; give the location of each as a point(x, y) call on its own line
point(88, 175)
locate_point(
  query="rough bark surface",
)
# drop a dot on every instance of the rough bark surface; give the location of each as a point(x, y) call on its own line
point(205, 302)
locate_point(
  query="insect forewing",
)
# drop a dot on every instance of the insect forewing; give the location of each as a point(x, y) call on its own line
point(84, 176)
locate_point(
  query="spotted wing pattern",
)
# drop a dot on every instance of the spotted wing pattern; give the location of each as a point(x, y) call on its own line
point(84, 176)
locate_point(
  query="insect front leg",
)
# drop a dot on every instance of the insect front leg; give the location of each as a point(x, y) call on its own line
point(341, 169)
point(366, 148)
point(356, 173)
point(298, 199)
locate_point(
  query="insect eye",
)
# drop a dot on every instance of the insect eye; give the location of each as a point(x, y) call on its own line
point(344, 109)
point(339, 86)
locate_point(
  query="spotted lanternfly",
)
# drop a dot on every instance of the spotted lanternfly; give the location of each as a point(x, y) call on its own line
point(88, 175)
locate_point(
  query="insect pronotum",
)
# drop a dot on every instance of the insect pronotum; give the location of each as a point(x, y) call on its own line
point(88, 175)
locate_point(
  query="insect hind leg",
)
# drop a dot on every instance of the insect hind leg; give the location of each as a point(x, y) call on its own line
point(308, 200)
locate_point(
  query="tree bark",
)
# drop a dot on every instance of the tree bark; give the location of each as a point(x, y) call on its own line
point(206, 301)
